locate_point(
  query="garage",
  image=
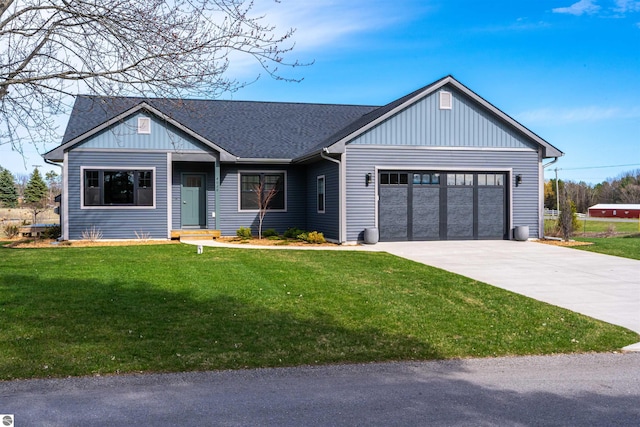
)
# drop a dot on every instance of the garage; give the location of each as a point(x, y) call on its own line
point(442, 205)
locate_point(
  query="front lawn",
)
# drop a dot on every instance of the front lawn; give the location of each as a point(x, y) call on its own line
point(628, 246)
point(102, 310)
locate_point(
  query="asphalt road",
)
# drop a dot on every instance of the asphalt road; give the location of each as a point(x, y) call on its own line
point(565, 390)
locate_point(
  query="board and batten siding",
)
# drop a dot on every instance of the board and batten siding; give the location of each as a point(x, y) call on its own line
point(231, 218)
point(466, 124)
point(361, 159)
point(328, 222)
point(121, 222)
point(124, 135)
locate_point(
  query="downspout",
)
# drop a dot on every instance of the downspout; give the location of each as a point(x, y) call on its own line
point(340, 195)
point(541, 226)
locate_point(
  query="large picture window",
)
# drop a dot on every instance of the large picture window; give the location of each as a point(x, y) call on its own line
point(111, 187)
point(253, 183)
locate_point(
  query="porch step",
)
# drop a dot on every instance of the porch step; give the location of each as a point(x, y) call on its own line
point(195, 234)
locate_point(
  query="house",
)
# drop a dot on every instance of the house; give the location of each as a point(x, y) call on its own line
point(615, 210)
point(440, 163)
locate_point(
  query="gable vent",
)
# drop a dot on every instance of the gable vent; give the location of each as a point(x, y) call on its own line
point(446, 100)
point(144, 125)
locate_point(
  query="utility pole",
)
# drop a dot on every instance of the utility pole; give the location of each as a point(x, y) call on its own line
point(557, 194)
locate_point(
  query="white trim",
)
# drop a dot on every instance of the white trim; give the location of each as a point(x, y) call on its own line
point(254, 172)
point(324, 194)
point(446, 100)
point(540, 198)
point(65, 197)
point(439, 168)
point(117, 168)
point(438, 148)
point(169, 195)
point(342, 217)
point(144, 125)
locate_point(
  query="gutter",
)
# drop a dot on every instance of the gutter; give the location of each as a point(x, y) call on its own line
point(555, 159)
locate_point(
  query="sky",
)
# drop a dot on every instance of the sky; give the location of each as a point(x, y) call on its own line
point(567, 70)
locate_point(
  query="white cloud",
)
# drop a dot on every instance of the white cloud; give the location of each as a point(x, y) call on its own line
point(576, 115)
point(323, 24)
point(579, 8)
point(624, 6)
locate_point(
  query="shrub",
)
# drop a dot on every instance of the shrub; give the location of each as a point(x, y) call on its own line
point(269, 232)
point(244, 233)
point(11, 230)
point(293, 233)
point(92, 234)
point(312, 237)
point(52, 232)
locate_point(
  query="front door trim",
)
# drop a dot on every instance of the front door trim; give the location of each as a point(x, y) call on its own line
point(202, 200)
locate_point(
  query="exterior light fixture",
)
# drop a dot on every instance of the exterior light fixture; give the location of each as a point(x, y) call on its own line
point(367, 179)
point(518, 180)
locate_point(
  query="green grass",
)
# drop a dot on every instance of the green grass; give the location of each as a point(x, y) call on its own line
point(591, 226)
point(102, 310)
point(628, 246)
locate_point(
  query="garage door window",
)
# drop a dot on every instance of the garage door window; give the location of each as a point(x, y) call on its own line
point(426, 178)
point(455, 179)
point(488, 179)
point(394, 178)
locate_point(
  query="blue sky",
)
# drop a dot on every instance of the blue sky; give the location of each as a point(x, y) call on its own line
point(568, 70)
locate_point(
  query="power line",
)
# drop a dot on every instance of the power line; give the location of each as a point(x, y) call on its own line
point(597, 167)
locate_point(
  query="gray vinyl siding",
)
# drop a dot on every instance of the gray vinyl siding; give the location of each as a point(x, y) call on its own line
point(125, 135)
point(328, 222)
point(361, 203)
point(180, 168)
point(230, 216)
point(117, 223)
point(425, 124)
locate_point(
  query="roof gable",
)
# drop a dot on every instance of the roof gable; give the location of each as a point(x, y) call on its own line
point(337, 142)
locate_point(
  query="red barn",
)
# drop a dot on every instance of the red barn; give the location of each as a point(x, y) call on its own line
point(615, 211)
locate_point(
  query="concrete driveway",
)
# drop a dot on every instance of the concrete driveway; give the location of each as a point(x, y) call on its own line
point(600, 286)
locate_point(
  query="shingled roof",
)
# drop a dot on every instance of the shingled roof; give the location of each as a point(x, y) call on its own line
point(245, 129)
point(264, 130)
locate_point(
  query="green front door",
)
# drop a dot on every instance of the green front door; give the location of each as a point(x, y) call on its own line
point(193, 201)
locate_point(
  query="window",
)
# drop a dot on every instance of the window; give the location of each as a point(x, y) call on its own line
point(321, 194)
point(426, 178)
point(265, 182)
point(118, 187)
point(394, 178)
point(494, 179)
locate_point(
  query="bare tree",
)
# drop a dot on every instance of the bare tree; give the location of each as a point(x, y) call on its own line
point(50, 49)
point(265, 192)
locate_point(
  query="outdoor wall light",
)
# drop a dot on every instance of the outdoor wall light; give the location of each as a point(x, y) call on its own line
point(518, 179)
point(367, 179)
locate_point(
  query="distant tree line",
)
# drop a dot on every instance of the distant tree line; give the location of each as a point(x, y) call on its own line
point(623, 189)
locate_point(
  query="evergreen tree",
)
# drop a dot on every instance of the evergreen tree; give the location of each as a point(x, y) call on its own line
point(36, 189)
point(35, 194)
point(8, 191)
